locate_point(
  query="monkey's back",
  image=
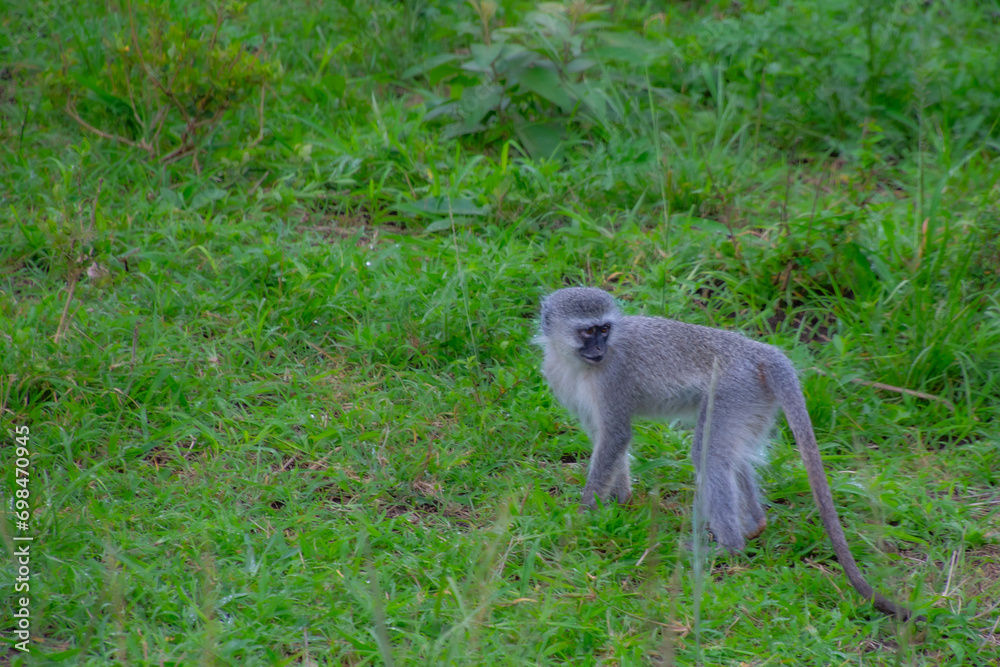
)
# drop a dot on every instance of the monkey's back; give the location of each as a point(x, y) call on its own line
point(672, 363)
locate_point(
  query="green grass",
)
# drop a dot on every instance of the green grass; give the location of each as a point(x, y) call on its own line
point(283, 399)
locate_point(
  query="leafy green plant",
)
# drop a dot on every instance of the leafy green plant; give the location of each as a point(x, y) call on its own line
point(819, 71)
point(528, 78)
point(167, 78)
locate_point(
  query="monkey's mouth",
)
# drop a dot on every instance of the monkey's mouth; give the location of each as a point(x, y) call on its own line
point(592, 357)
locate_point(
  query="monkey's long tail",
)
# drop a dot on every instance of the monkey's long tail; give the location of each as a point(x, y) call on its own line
point(783, 381)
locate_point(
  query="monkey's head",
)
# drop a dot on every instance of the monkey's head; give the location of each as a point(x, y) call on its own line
point(579, 321)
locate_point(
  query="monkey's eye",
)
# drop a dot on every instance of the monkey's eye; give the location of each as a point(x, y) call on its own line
point(589, 331)
point(605, 329)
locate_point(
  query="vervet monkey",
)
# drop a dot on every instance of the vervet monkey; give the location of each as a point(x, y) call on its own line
point(609, 368)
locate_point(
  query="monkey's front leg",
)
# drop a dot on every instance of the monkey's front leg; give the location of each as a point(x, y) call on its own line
point(609, 476)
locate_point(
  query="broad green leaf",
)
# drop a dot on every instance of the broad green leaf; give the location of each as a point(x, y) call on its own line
point(429, 64)
point(443, 110)
point(171, 198)
point(580, 65)
point(701, 223)
point(546, 84)
point(444, 205)
point(483, 57)
point(462, 129)
point(442, 224)
point(541, 140)
point(476, 103)
point(629, 48)
point(514, 60)
point(205, 197)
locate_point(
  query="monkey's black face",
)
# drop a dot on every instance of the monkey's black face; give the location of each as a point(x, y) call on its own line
point(594, 341)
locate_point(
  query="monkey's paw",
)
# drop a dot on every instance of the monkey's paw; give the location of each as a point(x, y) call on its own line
point(758, 530)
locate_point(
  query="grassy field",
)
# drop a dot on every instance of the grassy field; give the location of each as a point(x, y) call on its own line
point(270, 279)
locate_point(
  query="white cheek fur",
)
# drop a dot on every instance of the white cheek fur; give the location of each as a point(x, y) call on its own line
point(573, 384)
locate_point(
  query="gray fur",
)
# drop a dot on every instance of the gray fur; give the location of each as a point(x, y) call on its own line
point(655, 367)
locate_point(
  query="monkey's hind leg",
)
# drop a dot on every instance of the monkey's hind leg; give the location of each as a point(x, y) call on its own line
point(751, 510)
point(726, 478)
